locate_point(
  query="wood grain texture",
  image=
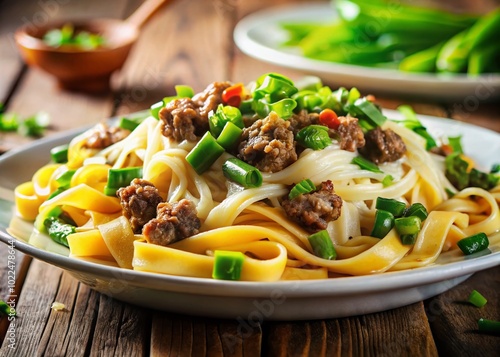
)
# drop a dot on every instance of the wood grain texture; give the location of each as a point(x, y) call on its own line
point(398, 332)
point(183, 38)
point(12, 266)
point(454, 321)
point(176, 335)
point(33, 307)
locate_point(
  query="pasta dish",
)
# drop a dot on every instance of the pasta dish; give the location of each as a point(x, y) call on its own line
point(273, 180)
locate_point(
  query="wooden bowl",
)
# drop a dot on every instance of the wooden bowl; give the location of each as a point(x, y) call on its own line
point(75, 68)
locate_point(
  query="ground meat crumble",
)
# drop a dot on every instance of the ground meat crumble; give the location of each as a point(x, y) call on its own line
point(268, 144)
point(139, 201)
point(187, 118)
point(383, 146)
point(173, 222)
point(314, 210)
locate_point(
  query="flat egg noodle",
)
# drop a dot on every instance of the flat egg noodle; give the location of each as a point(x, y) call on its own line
point(83, 197)
point(167, 260)
point(378, 258)
point(226, 212)
point(431, 239)
point(27, 201)
point(461, 202)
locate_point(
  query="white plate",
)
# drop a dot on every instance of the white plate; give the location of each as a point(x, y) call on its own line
point(286, 300)
point(260, 36)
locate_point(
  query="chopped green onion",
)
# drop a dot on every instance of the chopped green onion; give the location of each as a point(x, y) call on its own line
point(474, 243)
point(128, 124)
point(275, 85)
point(59, 154)
point(184, 91)
point(366, 164)
point(283, 108)
point(118, 178)
point(408, 239)
point(482, 179)
point(204, 154)
point(490, 326)
point(314, 137)
point(57, 191)
point(449, 192)
point(227, 265)
point(181, 91)
point(430, 142)
point(369, 111)
point(307, 99)
point(9, 121)
point(35, 125)
point(155, 109)
point(133, 121)
point(40, 218)
point(411, 122)
point(417, 209)
point(339, 101)
point(65, 178)
point(476, 299)
point(353, 95)
point(304, 186)
point(58, 230)
point(68, 36)
point(387, 180)
point(407, 225)
point(384, 221)
point(313, 98)
point(322, 245)
point(273, 92)
point(229, 136)
point(495, 168)
point(239, 171)
point(456, 171)
point(455, 143)
point(397, 208)
point(7, 309)
point(223, 115)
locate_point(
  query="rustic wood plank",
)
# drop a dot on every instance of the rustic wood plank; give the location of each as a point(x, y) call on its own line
point(397, 332)
point(152, 71)
point(178, 335)
point(11, 17)
point(135, 329)
point(454, 321)
point(53, 341)
point(120, 329)
point(33, 308)
point(85, 309)
point(13, 267)
point(66, 110)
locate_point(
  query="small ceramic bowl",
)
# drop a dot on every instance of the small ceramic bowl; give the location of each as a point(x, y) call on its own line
point(76, 68)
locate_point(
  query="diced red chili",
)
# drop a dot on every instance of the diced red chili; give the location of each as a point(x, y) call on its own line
point(232, 95)
point(329, 118)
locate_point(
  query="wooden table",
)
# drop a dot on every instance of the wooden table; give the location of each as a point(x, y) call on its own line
point(191, 42)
